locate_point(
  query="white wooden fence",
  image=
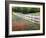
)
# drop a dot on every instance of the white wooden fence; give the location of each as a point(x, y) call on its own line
point(29, 17)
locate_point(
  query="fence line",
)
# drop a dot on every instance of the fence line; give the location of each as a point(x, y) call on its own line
point(34, 19)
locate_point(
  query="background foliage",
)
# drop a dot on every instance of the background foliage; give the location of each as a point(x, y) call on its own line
point(25, 10)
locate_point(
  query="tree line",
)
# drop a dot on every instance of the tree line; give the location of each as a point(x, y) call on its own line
point(25, 10)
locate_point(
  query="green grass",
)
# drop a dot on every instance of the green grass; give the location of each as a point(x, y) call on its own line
point(36, 14)
point(33, 25)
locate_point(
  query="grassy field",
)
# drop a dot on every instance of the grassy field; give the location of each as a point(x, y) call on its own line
point(19, 24)
point(36, 14)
